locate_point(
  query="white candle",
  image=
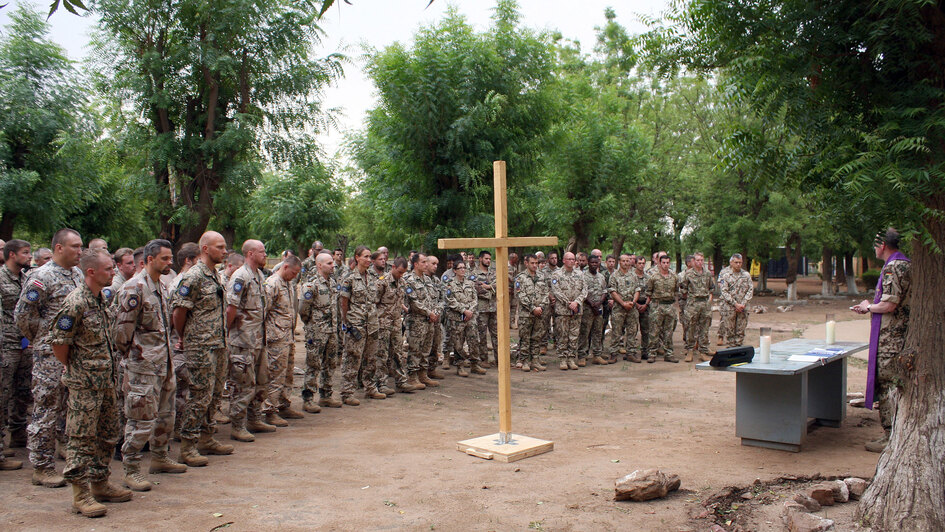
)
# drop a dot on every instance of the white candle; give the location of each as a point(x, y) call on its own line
point(831, 332)
point(765, 349)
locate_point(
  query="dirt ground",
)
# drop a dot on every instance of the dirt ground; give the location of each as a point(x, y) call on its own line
point(393, 464)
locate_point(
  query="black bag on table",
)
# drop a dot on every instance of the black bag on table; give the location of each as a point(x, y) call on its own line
point(732, 355)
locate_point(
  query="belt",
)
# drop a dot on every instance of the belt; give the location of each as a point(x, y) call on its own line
point(667, 301)
point(705, 298)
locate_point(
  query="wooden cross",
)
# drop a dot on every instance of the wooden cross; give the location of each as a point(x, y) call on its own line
point(502, 446)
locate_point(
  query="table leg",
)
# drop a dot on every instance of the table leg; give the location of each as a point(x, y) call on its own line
point(827, 395)
point(771, 410)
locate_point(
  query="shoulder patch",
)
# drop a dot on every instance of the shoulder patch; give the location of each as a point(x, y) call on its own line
point(133, 301)
point(65, 323)
point(449, 292)
point(308, 295)
point(184, 290)
point(409, 290)
point(346, 289)
point(472, 277)
point(518, 284)
point(32, 295)
point(38, 284)
point(237, 286)
point(107, 292)
point(554, 281)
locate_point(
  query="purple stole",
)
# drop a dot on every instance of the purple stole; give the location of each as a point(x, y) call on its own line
point(876, 322)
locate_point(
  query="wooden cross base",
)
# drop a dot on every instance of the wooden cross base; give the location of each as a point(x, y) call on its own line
point(517, 448)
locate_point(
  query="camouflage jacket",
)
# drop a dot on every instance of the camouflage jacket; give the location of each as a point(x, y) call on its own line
point(361, 293)
point(532, 291)
point(415, 291)
point(624, 284)
point(318, 307)
point(83, 324)
point(201, 293)
point(697, 284)
point(280, 310)
point(436, 292)
point(42, 295)
point(567, 287)
point(308, 271)
point(485, 283)
point(896, 283)
point(460, 297)
point(735, 288)
point(143, 332)
point(245, 293)
point(662, 288)
point(10, 287)
point(390, 300)
point(596, 287)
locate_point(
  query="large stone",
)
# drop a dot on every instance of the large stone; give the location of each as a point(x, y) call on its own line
point(797, 520)
point(856, 486)
point(807, 502)
point(644, 485)
point(822, 493)
point(840, 491)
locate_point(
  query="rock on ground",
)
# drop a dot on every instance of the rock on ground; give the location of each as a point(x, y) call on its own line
point(644, 485)
point(822, 493)
point(856, 486)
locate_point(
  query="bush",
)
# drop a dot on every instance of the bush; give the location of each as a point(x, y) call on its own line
point(869, 278)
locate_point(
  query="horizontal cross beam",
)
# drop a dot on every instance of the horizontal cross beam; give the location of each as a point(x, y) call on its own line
point(507, 242)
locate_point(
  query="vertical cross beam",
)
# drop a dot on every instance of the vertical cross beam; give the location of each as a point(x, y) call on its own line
point(502, 309)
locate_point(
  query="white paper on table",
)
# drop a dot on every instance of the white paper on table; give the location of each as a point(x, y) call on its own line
point(804, 358)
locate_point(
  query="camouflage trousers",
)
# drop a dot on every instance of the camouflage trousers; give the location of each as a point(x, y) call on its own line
point(356, 353)
point(549, 324)
point(644, 319)
point(48, 422)
point(590, 342)
point(684, 320)
point(887, 388)
point(531, 333)
point(623, 331)
point(567, 331)
point(204, 370)
point(466, 341)
point(488, 326)
point(514, 312)
point(699, 316)
point(248, 378)
point(662, 323)
point(321, 359)
point(734, 324)
point(182, 377)
point(391, 359)
point(277, 354)
point(437, 342)
point(419, 342)
point(285, 400)
point(92, 428)
point(149, 413)
point(16, 368)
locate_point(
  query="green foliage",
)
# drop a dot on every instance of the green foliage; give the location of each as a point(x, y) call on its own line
point(870, 277)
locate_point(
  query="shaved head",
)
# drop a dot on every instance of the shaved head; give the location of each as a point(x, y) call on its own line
point(212, 248)
point(211, 237)
point(252, 245)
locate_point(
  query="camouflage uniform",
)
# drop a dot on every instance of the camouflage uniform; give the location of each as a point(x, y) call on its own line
point(459, 298)
point(92, 416)
point(318, 309)
point(419, 327)
point(723, 323)
point(624, 323)
point(567, 287)
point(16, 363)
point(447, 276)
point(643, 316)
point(592, 320)
point(896, 283)
point(178, 360)
point(143, 339)
point(391, 359)
point(280, 321)
point(681, 302)
point(661, 290)
point(361, 293)
point(486, 313)
point(43, 293)
point(308, 271)
point(436, 291)
point(246, 338)
point(531, 291)
point(698, 288)
point(204, 344)
point(735, 288)
point(549, 323)
point(514, 272)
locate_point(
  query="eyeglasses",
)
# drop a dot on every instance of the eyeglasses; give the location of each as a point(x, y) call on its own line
point(459, 268)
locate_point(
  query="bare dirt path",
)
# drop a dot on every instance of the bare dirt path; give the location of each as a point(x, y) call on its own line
point(392, 464)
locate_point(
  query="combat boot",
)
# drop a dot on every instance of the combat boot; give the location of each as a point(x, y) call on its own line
point(461, 370)
point(688, 356)
point(189, 455)
point(239, 433)
point(572, 364)
point(563, 366)
point(485, 364)
point(6, 464)
point(415, 382)
point(287, 412)
point(311, 406)
point(83, 502)
point(671, 358)
point(526, 367)
point(622, 350)
point(406, 387)
point(434, 373)
point(374, 394)
point(581, 362)
point(386, 390)
point(427, 381)
point(651, 359)
point(477, 369)
point(705, 357)
point(537, 366)
point(105, 491)
point(635, 358)
point(135, 480)
point(329, 402)
point(9, 453)
point(600, 361)
point(208, 445)
point(276, 420)
point(255, 425)
point(220, 418)
point(162, 463)
point(48, 477)
point(351, 401)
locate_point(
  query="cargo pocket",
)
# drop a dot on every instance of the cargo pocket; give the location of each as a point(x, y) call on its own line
point(140, 403)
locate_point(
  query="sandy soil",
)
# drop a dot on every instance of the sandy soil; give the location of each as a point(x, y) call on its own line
point(392, 464)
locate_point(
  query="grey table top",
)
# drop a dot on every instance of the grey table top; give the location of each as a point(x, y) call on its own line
point(780, 365)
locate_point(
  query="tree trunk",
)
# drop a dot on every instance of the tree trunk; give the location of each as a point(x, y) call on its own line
point(909, 486)
point(851, 274)
point(792, 250)
point(617, 245)
point(763, 276)
point(841, 274)
point(7, 221)
point(717, 258)
point(826, 271)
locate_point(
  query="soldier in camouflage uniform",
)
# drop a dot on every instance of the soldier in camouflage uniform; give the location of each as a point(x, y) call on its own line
point(81, 342)
point(421, 317)
point(515, 268)
point(318, 309)
point(532, 294)
point(360, 326)
point(661, 290)
point(391, 358)
point(592, 316)
point(735, 291)
point(200, 321)
point(696, 289)
point(436, 291)
point(643, 309)
point(309, 269)
point(187, 256)
point(892, 303)
point(568, 291)
point(624, 291)
point(485, 282)
point(280, 318)
point(551, 266)
point(722, 333)
point(44, 290)
point(681, 302)
point(246, 338)
point(16, 361)
point(461, 304)
point(142, 338)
